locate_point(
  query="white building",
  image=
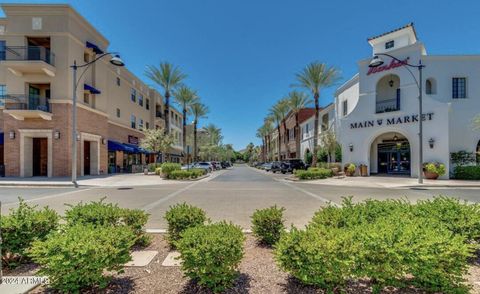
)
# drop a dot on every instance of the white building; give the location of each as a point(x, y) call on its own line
point(326, 121)
point(377, 110)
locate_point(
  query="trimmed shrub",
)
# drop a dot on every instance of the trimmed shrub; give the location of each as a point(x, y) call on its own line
point(350, 169)
point(179, 218)
point(435, 167)
point(169, 167)
point(158, 171)
point(313, 173)
point(152, 167)
point(108, 214)
point(210, 254)
point(79, 256)
point(21, 227)
point(268, 224)
point(471, 172)
point(186, 174)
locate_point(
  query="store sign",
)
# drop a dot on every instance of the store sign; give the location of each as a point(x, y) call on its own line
point(393, 64)
point(399, 120)
point(133, 140)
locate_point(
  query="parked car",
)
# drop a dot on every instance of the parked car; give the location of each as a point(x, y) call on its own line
point(276, 166)
point(204, 165)
point(225, 164)
point(267, 166)
point(289, 165)
point(188, 166)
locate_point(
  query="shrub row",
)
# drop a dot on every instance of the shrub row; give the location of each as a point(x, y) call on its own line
point(186, 174)
point(313, 173)
point(167, 168)
point(470, 172)
point(393, 243)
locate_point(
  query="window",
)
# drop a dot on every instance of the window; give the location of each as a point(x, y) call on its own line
point(459, 88)
point(389, 44)
point(306, 129)
point(430, 86)
point(118, 81)
point(345, 107)
point(118, 112)
point(140, 124)
point(86, 98)
point(3, 93)
point(86, 57)
point(147, 104)
point(140, 100)
point(133, 121)
point(325, 122)
point(134, 95)
point(3, 49)
point(147, 125)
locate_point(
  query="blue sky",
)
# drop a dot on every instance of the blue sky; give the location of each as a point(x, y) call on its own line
point(241, 56)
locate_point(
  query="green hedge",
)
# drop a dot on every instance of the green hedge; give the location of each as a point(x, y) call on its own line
point(181, 217)
point(186, 174)
point(393, 243)
point(21, 227)
point(80, 256)
point(211, 254)
point(268, 224)
point(471, 172)
point(313, 173)
point(169, 167)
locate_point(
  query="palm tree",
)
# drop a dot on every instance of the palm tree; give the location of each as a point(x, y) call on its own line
point(297, 101)
point(168, 77)
point(261, 135)
point(198, 110)
point(315, 77)
point(268, 129)
point(214, 133)
point(185, 97)
point(278, 112)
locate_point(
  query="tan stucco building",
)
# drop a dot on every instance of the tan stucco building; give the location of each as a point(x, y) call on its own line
point(38, 44)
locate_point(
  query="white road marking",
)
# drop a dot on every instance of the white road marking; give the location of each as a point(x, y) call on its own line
point(49, 196)
point(308, 193)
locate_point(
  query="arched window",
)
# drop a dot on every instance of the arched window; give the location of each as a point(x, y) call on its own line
point(430, 86)
point(388, 94)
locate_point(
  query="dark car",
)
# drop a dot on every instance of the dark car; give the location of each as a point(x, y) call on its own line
point(276, 166)
point(289, 165)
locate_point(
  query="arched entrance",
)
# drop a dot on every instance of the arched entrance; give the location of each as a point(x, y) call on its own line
point(390, 155)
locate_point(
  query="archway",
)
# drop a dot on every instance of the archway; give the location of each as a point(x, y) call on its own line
point(388, 94)
point(390, 154)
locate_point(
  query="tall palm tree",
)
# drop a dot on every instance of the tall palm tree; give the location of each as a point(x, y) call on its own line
point(278, 112)
point(314, 77)
point(214, 133)
point(185, 97)
point(297, 101)
point(198, 110)
point(168, 77)
point(268, 129)
point(261, 135)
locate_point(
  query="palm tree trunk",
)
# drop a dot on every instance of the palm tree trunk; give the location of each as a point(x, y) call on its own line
point(184, 131)
point(297, 136)
point(279, 142)
point(286, 139)
point(167, 119)
point(315, 131)
point(195, 141)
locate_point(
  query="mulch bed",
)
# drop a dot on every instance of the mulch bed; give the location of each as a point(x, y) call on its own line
point(258, 274)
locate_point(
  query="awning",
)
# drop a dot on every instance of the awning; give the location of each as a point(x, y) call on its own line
point(92, 90)
point(138, 149)
point(117, 146)
point(1, 138)
point(94, 47)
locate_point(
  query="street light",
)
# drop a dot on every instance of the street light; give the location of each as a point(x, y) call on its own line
point(115, 60)
point(376, 62)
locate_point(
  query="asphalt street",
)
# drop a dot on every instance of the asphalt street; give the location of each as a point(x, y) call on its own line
point(231, 195)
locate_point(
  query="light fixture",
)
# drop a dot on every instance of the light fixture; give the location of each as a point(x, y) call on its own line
point(350, 147)
point(431, 142)
point(11, 135)
point(390, 83)
point(56, 135)
point(375, 62)
point(104, 141)
point(116, 60)
point(78, 137)
point(395, 137)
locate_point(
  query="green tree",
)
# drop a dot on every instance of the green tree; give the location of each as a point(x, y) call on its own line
point(297, 101)
point(198, 110)
point(185, 97)
point(329, 142)
point(168, 77)
point(156, 140)
point(278, 112)
point(315, 77)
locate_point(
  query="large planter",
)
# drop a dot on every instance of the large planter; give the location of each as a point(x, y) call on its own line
point(430, 175)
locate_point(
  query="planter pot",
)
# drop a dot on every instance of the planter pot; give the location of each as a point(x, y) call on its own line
point(145, 171)
point(335, 171)
point(430, 176)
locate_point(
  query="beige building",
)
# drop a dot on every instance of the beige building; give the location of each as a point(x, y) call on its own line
point(38, 45)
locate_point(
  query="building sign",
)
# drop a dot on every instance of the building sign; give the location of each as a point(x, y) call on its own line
point(391, 121)
point(132, 140)
point(393, 64)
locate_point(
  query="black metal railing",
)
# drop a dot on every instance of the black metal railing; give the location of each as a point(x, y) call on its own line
point(24, 102)
point(388, 105)
point(18, 53)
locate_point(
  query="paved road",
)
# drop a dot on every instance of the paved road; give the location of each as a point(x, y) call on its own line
point(230, 194)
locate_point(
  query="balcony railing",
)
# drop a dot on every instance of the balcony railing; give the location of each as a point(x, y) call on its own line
point(27, 53)
point(23, 102)
point(388, 105)
point(159, 114)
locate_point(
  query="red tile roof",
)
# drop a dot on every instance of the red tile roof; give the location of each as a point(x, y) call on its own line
point(396, 30)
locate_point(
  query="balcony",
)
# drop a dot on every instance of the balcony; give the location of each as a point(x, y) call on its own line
point(22, 60)
point(21, 107)
point(388, 105)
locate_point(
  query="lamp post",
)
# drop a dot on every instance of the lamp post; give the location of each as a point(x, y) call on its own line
point(376, 62)
point(115, 60)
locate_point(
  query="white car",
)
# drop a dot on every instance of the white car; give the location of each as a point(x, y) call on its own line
point(204, 165)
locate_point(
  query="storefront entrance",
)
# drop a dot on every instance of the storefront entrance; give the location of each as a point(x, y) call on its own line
point(86, 158)
point(40, 157)
point(394, 158)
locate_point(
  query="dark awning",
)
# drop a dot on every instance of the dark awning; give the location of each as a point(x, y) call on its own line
point(92, 90)
point(117, 146)
point(1, 138)
point(138, 149)
point(94, 47)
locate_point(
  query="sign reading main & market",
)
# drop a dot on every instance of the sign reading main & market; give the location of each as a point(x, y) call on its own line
point(393, 64)
point(391, 121)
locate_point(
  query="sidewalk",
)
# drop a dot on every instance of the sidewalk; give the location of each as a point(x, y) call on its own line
point(392, 182)
point(116, 180)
